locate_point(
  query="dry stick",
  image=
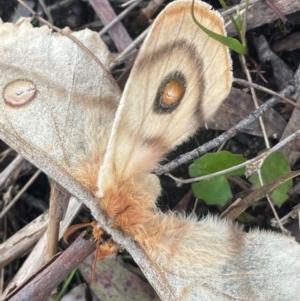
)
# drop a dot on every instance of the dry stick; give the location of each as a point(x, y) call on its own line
point(255, 100)
point(31, 180)
point(123, 56)
point(239, 7)
point(226, 135)
point(59, 4)
point(118, 18)
point(23, 241)
point(292, 214)
point(266, 90)
point(277, 11)
point(262, 14)
point(261, 181)
point(46, 11)
point(40, 285)
point(106, 14)
point(5, 154)
point(59, 200)
point(240, 206)
point(7, 172)
point(37, 256)
point(290, 150)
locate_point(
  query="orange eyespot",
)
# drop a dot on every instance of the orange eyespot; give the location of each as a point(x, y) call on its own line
point(170, 93)
point(173, 92)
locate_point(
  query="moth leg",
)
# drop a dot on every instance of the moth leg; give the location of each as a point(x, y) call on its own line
point(105, 244)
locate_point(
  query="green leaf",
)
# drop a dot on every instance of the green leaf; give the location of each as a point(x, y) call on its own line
point(232, 43)
point(215, 191)
point(273, 167)
point(213, 162)
point(224, 5)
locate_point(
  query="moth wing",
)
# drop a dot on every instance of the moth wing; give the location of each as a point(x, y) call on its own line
point(266, 266)
point(180, 77)
point(55, 99)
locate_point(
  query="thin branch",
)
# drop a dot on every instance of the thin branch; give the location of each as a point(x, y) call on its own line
point(40, 285)
point(31, 180)
point(266, 90)
point(285, 231)
point(118, 18)
point(7, 172)
point(46, 10)
point(255, 100)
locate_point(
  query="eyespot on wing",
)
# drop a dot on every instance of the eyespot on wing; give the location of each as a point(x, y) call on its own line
point(19, 92)
point(170, 93)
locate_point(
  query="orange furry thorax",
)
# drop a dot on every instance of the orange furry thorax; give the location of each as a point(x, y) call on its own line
point(128, 208)
point(129, 205)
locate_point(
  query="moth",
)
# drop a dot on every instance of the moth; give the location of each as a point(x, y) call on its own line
point(67, 119)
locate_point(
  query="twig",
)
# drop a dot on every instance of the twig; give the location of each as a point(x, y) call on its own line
point(240, 206)
point(59, 4)
point(285, 231)
point(46, 11)
point(40, 285)
point(5, 154)
point(118, 18)
point(118, 32)
point(22, 241)
point(31, 180)
point(276, 10)
point(37, 256)
point(255, 100)
point(266, 90)
point(123, 56)
point(290, 151)
point(6, 173)
point(59, 200)
point(240, 7)
point(292, 214)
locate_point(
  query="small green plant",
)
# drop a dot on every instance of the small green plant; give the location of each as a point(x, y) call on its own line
point(215, 191)
point(273, 167)
point(232, 43)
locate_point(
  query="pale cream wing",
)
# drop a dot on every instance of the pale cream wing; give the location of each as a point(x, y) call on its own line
point(217, 261)
point(54, 97)
point(179, 79)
